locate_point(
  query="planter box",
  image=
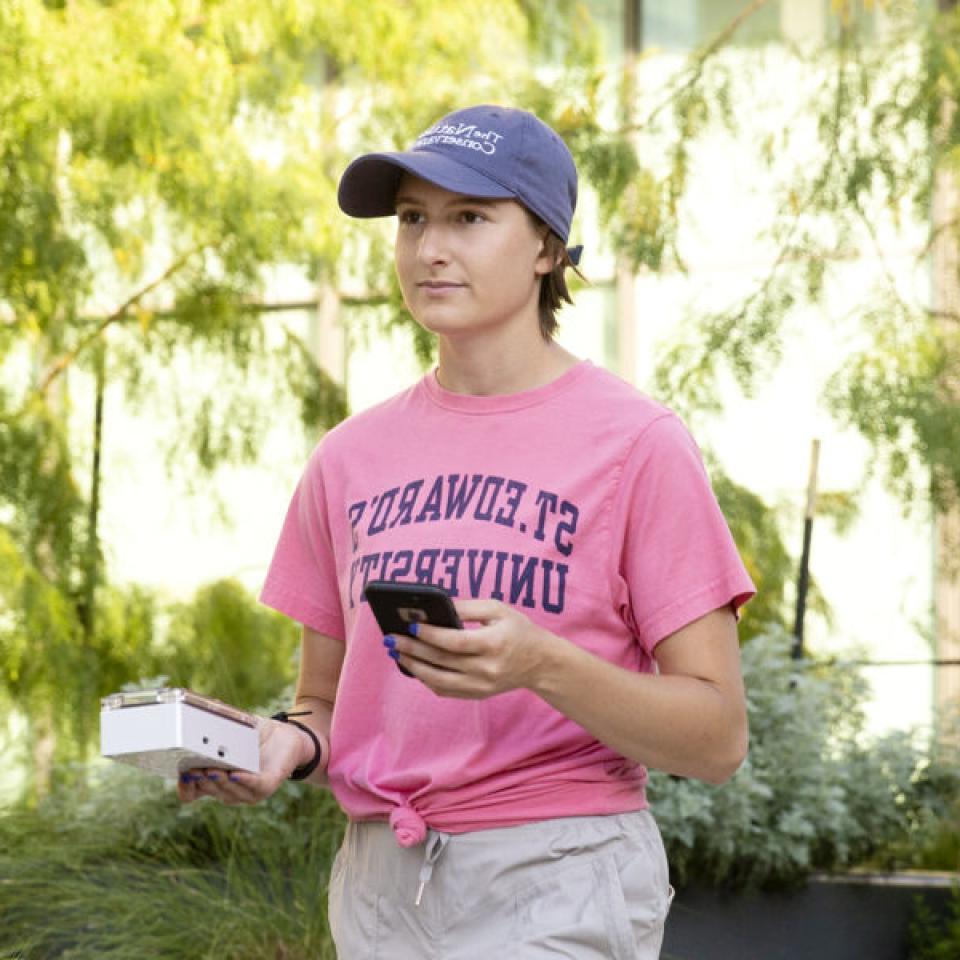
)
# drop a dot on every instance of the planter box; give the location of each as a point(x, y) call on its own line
point(843, 917)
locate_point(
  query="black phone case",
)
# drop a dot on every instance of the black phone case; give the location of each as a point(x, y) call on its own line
point(397, 604)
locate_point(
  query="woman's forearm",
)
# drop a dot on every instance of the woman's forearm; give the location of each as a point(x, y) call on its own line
point(318, 720)
point(686, 725)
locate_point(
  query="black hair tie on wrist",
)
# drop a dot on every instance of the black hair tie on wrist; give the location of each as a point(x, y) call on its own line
point(304, 771)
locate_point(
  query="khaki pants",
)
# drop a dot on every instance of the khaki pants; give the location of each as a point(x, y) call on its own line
point(582, 888)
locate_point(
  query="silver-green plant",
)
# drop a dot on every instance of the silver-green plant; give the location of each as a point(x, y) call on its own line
point(817, 792)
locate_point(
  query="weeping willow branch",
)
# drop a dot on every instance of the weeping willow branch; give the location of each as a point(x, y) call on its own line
point(699, 61)
point(68, 358)
point(786, 250)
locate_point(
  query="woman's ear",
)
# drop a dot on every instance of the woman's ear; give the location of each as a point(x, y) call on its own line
point(548, 258)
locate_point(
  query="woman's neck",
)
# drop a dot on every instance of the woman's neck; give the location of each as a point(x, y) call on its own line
point(484, 368)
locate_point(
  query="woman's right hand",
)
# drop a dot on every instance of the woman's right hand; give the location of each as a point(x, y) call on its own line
point(283, 747)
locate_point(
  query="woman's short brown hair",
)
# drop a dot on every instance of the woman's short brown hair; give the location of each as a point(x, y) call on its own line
point(553, 285)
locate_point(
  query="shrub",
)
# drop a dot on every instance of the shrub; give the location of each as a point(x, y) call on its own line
point(815, 791)
point(224, 643)
point(118, 869)
point(935, 938)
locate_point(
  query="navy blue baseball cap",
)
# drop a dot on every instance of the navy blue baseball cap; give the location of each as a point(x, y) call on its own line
point(485, 151)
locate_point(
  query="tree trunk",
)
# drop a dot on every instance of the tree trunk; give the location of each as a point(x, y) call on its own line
point(92, 562)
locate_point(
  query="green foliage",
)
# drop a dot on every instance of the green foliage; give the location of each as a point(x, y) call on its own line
point(226, 645)
point(934, 938)
point(745, 339)
point(321, 398)
point(157, 162)
point(893, 144)
point(221, 642)
point(37, 632)
point(814, 793)
point(124, 871)
point(901, 396)
point(38, 490)
point(883, 104)
point(51, 671)
point(756, 531)
point(934, 843)
point(115, 867)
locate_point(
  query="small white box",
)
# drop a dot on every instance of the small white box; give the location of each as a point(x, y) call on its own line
point(170, 730)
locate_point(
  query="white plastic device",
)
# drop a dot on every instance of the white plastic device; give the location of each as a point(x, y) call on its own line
point(171, 729)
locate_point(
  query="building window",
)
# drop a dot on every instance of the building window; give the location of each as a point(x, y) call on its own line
point(687, 24)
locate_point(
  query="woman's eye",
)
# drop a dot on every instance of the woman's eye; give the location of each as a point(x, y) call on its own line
point(410, 216)
point(472, 216)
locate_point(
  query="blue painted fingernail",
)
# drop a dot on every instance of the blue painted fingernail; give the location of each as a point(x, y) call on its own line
point(233, 777)
point(414, 629)
point(389, 641)
point(394, 654)
point(213, 776)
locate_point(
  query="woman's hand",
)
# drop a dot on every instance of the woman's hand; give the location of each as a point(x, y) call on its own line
point(283, 747)
point(503, 653)
point(687, 719)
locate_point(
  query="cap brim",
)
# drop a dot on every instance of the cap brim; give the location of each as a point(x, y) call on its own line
point(368, 187)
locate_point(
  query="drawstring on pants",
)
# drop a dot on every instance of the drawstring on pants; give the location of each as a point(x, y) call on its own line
point(436, 844)
point(410, 829)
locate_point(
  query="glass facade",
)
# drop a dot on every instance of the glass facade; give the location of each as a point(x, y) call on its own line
point(679, 24)
point(686, 24)
point(683, 24)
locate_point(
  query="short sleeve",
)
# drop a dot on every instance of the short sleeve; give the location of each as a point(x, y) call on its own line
point(302, 579)
point(677, 560)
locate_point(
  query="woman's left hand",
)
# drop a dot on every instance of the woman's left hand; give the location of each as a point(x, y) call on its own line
point(505, 652)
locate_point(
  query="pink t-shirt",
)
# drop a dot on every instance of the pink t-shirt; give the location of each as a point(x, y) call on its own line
point(582, 503)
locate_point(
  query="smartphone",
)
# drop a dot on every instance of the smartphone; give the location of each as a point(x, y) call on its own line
point(397, 604)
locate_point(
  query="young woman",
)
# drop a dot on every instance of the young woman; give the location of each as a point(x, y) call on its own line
point(496, 793)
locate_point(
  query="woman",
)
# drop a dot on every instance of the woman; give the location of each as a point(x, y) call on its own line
point(496, 793)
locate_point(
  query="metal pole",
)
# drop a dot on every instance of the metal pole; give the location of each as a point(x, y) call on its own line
point(803, 580)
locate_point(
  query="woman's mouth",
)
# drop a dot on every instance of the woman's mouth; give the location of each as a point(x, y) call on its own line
point(438, 288)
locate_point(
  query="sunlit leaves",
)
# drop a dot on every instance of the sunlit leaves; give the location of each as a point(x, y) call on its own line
point(760, 542)
point(225, 644)
point(157, 159)
point(885, 111)
point(902, 395)
point(846, 10)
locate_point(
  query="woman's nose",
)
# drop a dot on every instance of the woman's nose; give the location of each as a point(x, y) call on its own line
point(433, 247)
